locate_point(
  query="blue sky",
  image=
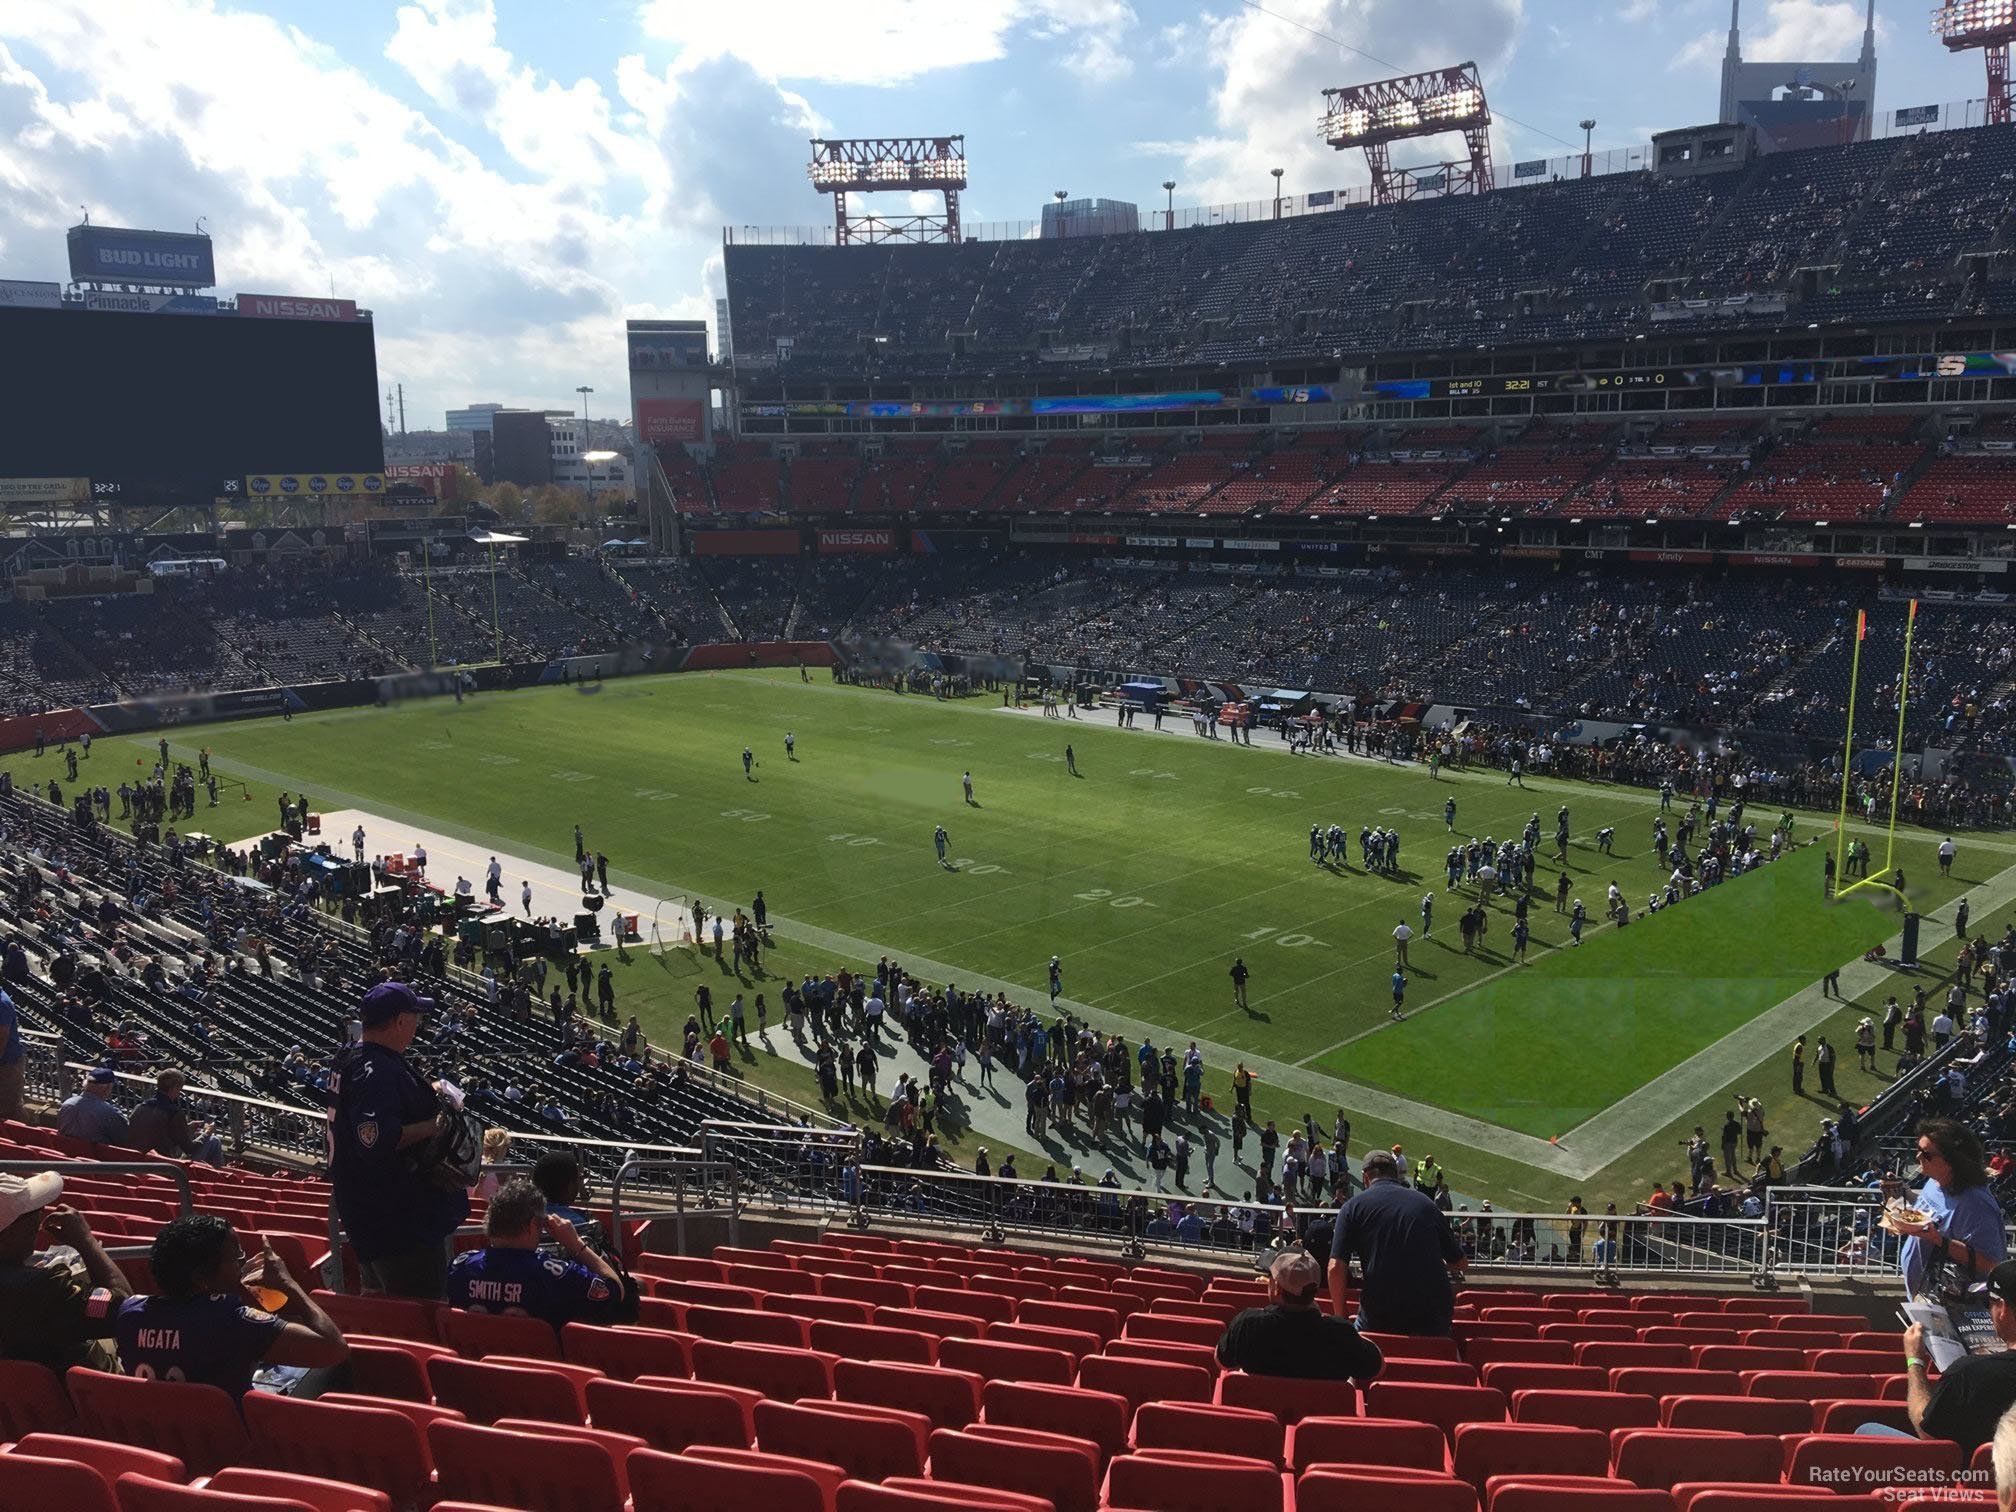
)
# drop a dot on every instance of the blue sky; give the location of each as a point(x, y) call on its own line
point(505, 182)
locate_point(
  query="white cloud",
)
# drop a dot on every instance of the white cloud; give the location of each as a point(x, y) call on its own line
point(1789, 31)
point(892, 41)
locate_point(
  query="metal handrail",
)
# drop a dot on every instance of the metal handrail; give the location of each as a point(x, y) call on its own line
point(702, 1166)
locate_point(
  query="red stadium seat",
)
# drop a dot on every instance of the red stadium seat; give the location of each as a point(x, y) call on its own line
point(869, 1443)
point(662, 1482)
point(829, 1478)
point(819, 1309)
point(949, 1398)
point(928, 1496)
point(1444, 1406)
point(1715, 1497)
point(1808, 1385)
point(1368, 1488)
point(1654, 1382)
point(1663, 1457)
point(676, 1414)
point(1610, 1355)
point(1870, 1462)
point(1218, 1430)
point(1074, 1342)
point(1535, 1351)
point(1483, 1450)
point(877, 1292)
point(1168, 1481)
point(1367, 1441)
point(32, 1400)
point(749, 1325)
point(523, 1469)
point(1415, 1347)
point(1512, 1378)
point(996, 1361)
point(379, 1447)
point(1104, 1322)
point(1736, 1414)
point(1585, 1409)
point(1152, 1325)
point(199, 1425)
point(1742, 1357)
point(474, 1335)
point(1564, 1493)
point(486, 1390)
point(1847, 1415)
point(1062, 1471)
point(627, 1353)
point(1289, 1400)
point(1100, 1417)
point(1438, 1372)
point(985, 1306)
point(781, 1374)
point(137, 1493)
point(940, 1325)
point(33, 1483)
point(386, 1317)
point(1145, 1380)
point(870, 1341)
point(320, 1492)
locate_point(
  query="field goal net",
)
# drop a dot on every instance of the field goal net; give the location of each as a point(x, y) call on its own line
point(671, 925)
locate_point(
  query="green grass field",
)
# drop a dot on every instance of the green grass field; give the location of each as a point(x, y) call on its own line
point(1147, 873)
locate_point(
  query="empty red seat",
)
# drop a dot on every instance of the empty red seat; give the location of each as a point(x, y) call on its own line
point(387, 1317)
point(1366, 1441)
point(940, 1325)
point(878, 1292)
point(1103, 1322)
point(1807, 1499)
point(1219, 1430)
point(1635, 1352)
point(136, 1493)
point(1145, 1380)
point(1163, 1480)
point(749, 1325)
point(1172, 1330)
point(486, 1390)
point(870, 1341)
point(868, 1442)
point(1287, 1399)
point(1741, 1357)
point(1074, 1342)
point(1585, 1409)
point(474, 1335)
point(673, 1414)
point(1657, 1382)
point(627, 1353)
point(1444, 1406)
point(1124, 1303)
point(985, 1306)
point(781, 1374)
point(948, 1398)
point(277, 1487)
point(1356, 1488)
point(1415, 1347)
point(819, 1309)
point(1736, 1414)
point(1848, 1415)
point(379, 1447)
point(1535, 1351)
point(768, 1278)
point(1586, 1333)
point(515, 1469)
point(930, 1496)
point(1562, 1493)
point(1870, 1462)
point(997, 1361)
point(661, 1482)
point(1663, 1457)
point(32, 1400)
point(1100, 1417)
point(1483, 1450)
point(1437, 1372)
point(1511, 1378)
point(1809, 1385)
point(198, 1425)
point(36, 1483)
point(1062, 1471)
point(677, 1267)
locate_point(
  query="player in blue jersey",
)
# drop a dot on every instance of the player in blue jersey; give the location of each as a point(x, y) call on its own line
point(512, 1274)
point(940, 839)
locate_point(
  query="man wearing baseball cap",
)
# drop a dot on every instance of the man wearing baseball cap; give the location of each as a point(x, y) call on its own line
point(91, 1114)
point(1292, 1336)
point(1976, 1389)
point(380, 1115)
point(47, 1315)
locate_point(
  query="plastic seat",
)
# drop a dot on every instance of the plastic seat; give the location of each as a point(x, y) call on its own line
point(674, 1414)
point(1809, 1385)
point(1511, 1378)
point(1073, 1341)
point(34, 1483)
point(1535, 1351)
point(1736, 1414)
point(819, 1309)
point(1099, 1417)
point(662, 1482)
point(948, 1398)
point(1653, 1381)
point(1608, 1355)
point(1124, 1303)
point(107, 1460)
point(1198, 1356)
point(677, 1267)
point(1172, 1330)
point(1715, 1497)
point(324, 1493)
point(1483, 1450)
point(1845, 1416)
point(485, 1390)
point(1387, 1442)
point(1289, 1400)
point(32, 1400)
point(523, 1469)
point(985, 1306)
point(1370, 1488)
point(998, 1361)
point(941, 1325)
point(420, 1414)
point(781, 1374)
point(1015, 1289)
point(617, 1446)
point(1585, 1409)
point(198, 1425)
point(1434, 1372)
point(369, 1446)
point(474, 1335)
point(627, 1353)
point(1415, 1347)
point(871, 1341)
point(1870, 1462)
point(771, 1279)
point(869, 1443)
point(1741, 1357)
point(1572, 1494)
point(1145, 1380)
point(1062, 1471)
point(1663, 1457)
point(136, 1493)
point(876, 1291)
point(386, 1317)
point(925, 1496)
point(748, 1325)
point(829, 1478)
point(1162, 1480)
point(1444, 1406)
point(1240, 1431)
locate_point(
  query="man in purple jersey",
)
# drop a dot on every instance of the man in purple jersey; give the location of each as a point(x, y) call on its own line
point(512, 1275)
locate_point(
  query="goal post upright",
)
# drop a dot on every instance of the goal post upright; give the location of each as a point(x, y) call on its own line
point(1881, 880)
point(1897, 750)
point(1841, 883)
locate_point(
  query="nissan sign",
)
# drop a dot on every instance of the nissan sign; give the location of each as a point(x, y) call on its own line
point(857, 540)
point(108, 254)
point(286, 307)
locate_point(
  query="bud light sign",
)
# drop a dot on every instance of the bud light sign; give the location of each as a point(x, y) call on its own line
point(108, 254)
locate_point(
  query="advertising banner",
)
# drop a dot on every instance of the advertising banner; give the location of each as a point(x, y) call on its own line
point(150, 304)
point(20, 292)
point(438, 478)
point(1773, 559)
point(324, 484)
point(1200, 543)
point(756, 542)
point(1864, 563)
point(1533, 553)
point(15, 491)
point(1955, 564)
point(857, 540)
point(662, 420)
point(292, 307)
point(1237, 543)
point(110, 254)
point(1151, 540)
point(1672, 556)
point(1531, 168)
point(671, 345)
point(1917, 115)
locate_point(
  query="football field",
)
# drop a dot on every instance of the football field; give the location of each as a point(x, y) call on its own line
point(1147, 873)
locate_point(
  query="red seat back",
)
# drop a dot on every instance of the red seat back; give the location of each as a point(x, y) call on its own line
point(485, 1390)
point(324, 1493)
point(1444, 1406)
point(672, 1414)
point(661, 1482)
point(1368, 1488)
point(379, 1447)
point(1289, 1400)
point(1870, 1461)
point(949, 1398)
point(1100, 1417)
point(781, 1374)
point(1367, 1441)
point(33, 1483)
point(1663, 1457)
point(1145, 1380)
point(1487, 1449)
point(523, 1469)
point(1168, 1481)
point(1062, 1471)
point(137, 1493)
point(1585, 1409)
point(32, 1400)
point(627, 1353)
point(1736, 1414)
point(199, 1425)
point(474, 1335)
point(1218, 1430)
point(997, 1361)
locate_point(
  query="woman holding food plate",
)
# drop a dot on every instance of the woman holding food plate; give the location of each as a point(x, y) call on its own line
point(1953, 1220)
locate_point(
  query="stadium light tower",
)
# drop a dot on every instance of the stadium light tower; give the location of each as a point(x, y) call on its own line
point(1415, 105)
point(868, 165)
point(1991, 26)
point(1277, 172)
point(1169, 215)
point(1588, 130)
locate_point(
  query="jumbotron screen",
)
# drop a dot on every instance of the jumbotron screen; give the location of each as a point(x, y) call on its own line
point(184, 403)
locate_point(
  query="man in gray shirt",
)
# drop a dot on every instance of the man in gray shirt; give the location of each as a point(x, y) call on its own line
point(91, 1114)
